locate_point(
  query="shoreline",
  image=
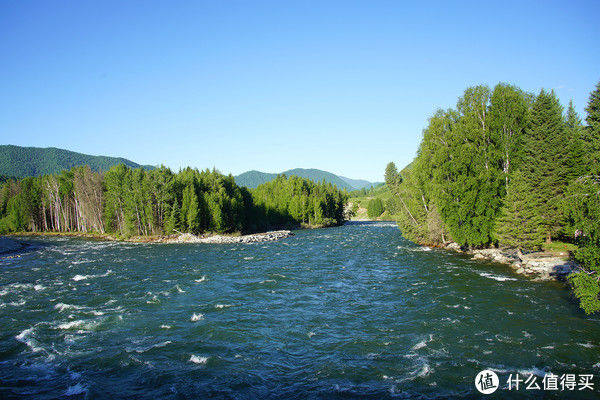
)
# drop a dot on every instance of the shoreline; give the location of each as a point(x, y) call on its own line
point(177, 238)
point(540, 266)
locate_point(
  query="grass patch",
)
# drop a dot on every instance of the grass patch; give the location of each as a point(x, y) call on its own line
point(560, 247)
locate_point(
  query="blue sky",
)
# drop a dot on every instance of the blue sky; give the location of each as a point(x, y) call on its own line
point(342, 86)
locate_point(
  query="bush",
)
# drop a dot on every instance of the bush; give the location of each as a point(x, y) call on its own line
point(375, 208)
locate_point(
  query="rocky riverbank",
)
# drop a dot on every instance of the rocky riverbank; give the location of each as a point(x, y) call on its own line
point(8, 244)
point(219, 239)
point(540, 265)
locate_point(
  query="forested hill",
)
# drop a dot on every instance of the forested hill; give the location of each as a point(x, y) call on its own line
point(19, 162)
point(252, 179)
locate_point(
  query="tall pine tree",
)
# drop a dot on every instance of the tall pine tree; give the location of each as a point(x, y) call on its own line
point(546, 150)
point(576, 161)
point(591, 134)
point(392, 177)
point(519, 224)
point(172, 225)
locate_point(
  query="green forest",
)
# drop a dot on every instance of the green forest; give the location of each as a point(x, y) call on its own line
point(127, 202)
point(20, 162)
point(299, 200)
point(511, 169)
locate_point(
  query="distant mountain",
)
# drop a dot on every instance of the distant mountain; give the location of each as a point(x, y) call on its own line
point(317, 175)
point(20, 162)
point(252, 179)
point(360, 183)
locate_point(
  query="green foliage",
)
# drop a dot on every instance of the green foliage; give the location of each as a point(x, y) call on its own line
point(294, 200)
point(20, 162)
point(418, 217)
point(190, 210)
point(581, 206)
point(460, 167)
point(546, 164)
point(14, 219)
point(508, 114)
point(493, 171)
point(591, 135)
point(378, 190)
point(507, 168)
point(137, 202)
point(392, 177)
point(519, 225)
point(587, 290)
point(173, 222)
point(590, 257)
point(576, 162)
point(375, 208)
point(583, 209)
point(360, 201)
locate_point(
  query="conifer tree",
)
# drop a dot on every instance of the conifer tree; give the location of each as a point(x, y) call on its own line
point(519, 225)
point(190, 210)
point(193, 221)
point(392, 177)
point(591, 135)
point(185, 206)
point(173, 220)
point(545, 166)
point(583, 208)
point(576, 160)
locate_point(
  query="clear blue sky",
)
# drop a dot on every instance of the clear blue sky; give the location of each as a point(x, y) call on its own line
point(342, 86)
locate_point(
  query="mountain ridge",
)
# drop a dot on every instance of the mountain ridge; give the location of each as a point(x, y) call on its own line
point(21, 162)
point(253, 178)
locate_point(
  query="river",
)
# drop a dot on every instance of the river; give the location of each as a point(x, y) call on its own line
point(355, 311)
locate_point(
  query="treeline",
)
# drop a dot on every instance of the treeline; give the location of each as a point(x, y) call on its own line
point(136, 202)
point(508, 168)
point(294, 199)
point(365, 191)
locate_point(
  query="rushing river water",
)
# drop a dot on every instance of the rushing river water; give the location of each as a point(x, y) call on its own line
point(350, 312)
